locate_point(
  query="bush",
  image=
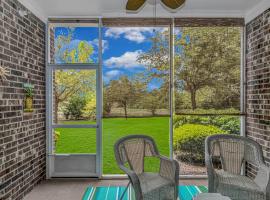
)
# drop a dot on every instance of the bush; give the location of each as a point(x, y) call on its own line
point(230, 124)
point(75, 107)
point(189, 141)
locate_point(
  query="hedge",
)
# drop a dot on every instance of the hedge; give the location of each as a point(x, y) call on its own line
point(230, 124)
point(189, 141)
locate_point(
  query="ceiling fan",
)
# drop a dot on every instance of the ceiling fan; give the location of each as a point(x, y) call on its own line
point(135, 5)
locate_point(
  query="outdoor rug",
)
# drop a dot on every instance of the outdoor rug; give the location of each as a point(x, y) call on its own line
point(186, 192)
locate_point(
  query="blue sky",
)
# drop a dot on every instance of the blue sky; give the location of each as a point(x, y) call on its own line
point(121, 46)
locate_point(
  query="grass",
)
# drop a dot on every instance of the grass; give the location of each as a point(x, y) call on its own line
point(81, 140)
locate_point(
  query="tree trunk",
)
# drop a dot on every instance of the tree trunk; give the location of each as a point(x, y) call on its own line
point(153, 112)
point(193, 99)
point(125, 108)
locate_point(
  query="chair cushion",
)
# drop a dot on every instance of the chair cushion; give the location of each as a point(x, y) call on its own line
point(152, 181)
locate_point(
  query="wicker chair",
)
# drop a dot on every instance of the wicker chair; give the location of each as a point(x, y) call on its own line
point(130, 153)
point(234, 152)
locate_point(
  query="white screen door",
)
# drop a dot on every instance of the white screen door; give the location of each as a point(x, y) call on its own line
point(74, 98)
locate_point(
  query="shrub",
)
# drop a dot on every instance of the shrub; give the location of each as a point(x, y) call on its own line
point(230, 124)
point(189, 141)
point(89, 110)
point(75, 107)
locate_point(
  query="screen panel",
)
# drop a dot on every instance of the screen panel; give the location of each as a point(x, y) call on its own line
point(135, 89)
point(72, 43)
point(206, 90)
point(74, 96)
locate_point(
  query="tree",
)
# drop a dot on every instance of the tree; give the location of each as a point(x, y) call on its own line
point(124, 92)
point(107, 101)
point(210, 58)
point(152, 101)
point(69, 83)
point(156, 59)
point(204, 57)
point(75, 107)
point(89, 110)
point(67, 52)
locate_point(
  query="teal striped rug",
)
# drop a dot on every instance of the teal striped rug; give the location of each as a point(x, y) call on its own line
point(186, 192)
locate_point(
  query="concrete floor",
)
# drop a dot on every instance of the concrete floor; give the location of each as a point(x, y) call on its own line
point(73, 189)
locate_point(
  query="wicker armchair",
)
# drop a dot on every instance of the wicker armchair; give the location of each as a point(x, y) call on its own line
point(233, 152)
point(131, 151)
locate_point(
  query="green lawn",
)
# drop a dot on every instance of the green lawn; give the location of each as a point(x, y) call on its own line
point(81, 140)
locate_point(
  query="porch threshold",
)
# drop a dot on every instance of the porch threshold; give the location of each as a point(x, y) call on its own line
point(123, 176)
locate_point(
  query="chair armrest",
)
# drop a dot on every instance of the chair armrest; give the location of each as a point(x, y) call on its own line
point(134, 179)
point(210, 173)
point(169, 169)
point(263, 178)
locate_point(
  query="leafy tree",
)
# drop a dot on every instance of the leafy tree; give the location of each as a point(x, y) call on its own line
point(75, 107)
point(124, 92)
point(157, 59)
point(152, 101)
point(89, 110)
point(205, 57)
point(210, 57)
point(70, 83)
point(65, 53)
point(107, 101)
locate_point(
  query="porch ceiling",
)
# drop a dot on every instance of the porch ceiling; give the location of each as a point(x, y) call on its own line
point(115, 8)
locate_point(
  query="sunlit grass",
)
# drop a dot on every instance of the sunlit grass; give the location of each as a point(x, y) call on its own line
point(81, 140)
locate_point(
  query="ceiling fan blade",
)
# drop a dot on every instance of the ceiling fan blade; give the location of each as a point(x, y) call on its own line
point(134, 5)
point(173, 4)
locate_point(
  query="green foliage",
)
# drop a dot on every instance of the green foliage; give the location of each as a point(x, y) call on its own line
point(209, 58)
point(107, 101)
point(89, 110)
point(79, 54)
point(152, 101)
point(207, 66)
point(189, 139)
point(70, 83)
point(29, 90)
point(28, 110)
point(230, 124)
point(124, 92)
point(208, 111)
point(75, 107)
point(57, 135)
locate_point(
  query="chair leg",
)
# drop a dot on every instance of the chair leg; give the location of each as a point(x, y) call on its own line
point(122, 196)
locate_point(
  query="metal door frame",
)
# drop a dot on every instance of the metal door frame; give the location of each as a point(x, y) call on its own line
point(49, 109)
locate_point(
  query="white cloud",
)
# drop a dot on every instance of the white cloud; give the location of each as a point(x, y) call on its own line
point(110, 75)
point(127, 60)
point(135, 34)
point(105, 44)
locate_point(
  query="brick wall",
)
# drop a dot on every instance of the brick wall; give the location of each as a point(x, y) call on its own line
point(258, 82)
point(22, 136)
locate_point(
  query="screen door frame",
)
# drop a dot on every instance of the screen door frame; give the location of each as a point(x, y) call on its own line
point(73, 165)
